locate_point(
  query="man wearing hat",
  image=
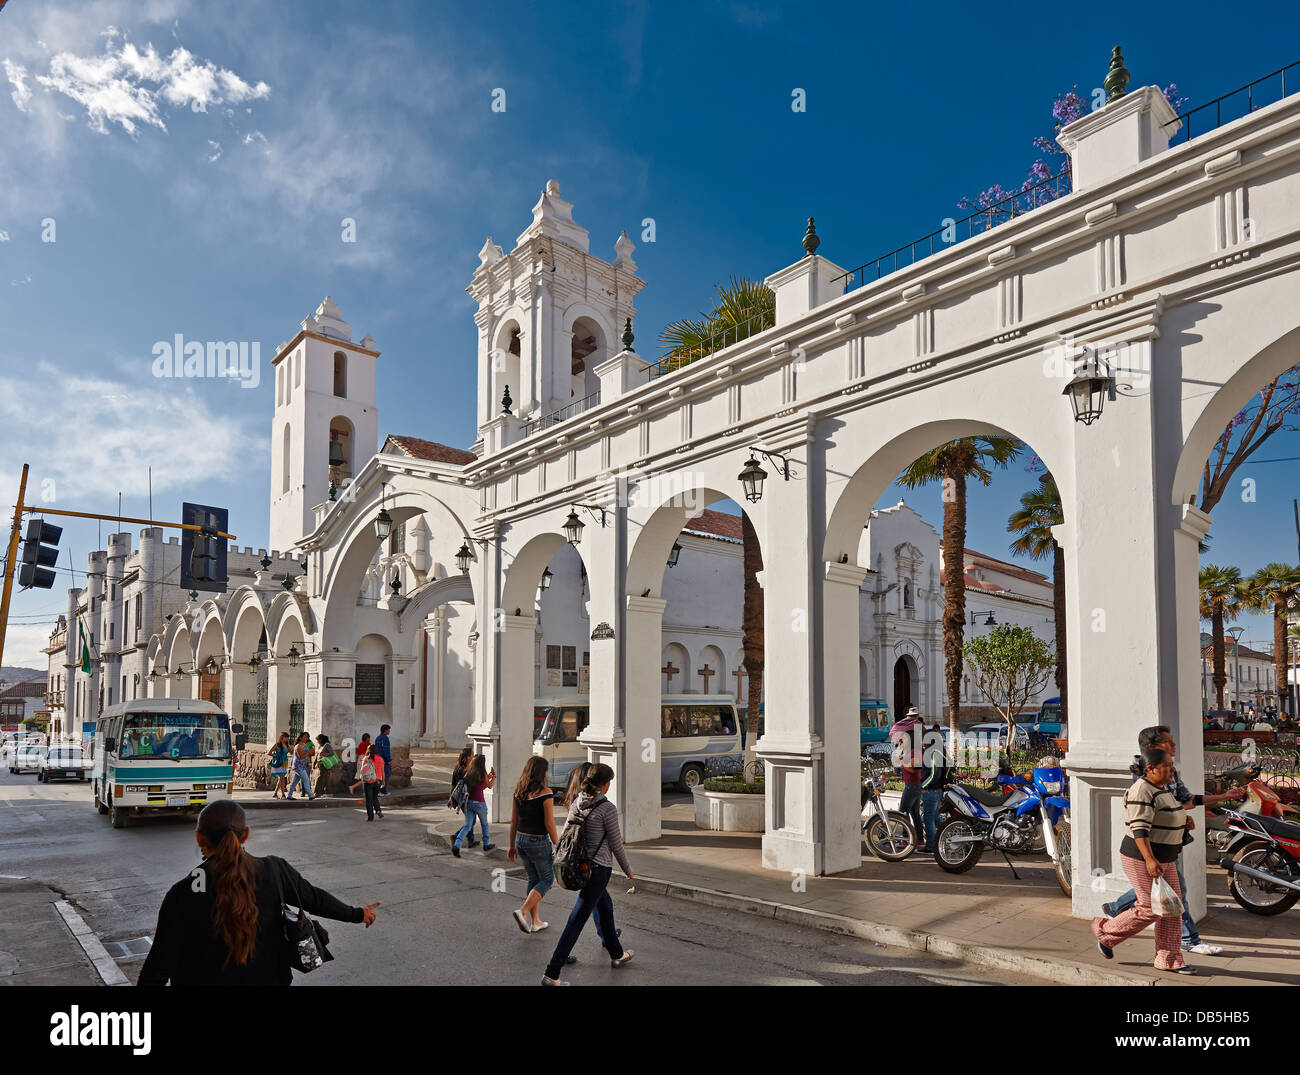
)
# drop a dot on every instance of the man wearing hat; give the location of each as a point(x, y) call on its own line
point(909, 730)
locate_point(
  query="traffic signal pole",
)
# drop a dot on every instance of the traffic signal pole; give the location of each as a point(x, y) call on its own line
point(11, 558)
point(11, 562)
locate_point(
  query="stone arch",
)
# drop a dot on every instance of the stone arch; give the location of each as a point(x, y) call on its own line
point(680, 658)
point(506, 358)
point(342, 430)
point(288, 620)
point(589, 347)
point(243, 615)
point(523, 573)
point(424, 599)
point(712, 657)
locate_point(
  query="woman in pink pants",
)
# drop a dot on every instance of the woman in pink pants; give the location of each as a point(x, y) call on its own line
point(1154, 824)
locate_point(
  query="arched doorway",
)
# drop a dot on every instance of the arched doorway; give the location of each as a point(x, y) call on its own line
point(902, 686)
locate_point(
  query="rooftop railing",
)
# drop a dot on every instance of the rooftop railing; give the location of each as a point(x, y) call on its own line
point(717, 341)
point(989, 216)
point(1257, 94)
point(562, 415)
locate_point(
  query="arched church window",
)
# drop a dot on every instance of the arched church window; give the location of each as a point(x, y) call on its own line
point(285, 459)
point(907, 595)
point(340, 374)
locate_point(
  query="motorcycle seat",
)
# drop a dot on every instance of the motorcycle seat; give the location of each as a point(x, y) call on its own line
point(1285, 830)
point(987, 798)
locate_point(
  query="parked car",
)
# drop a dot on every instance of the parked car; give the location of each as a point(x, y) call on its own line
point(13, 741)
point(27, 758)
point(64, 761)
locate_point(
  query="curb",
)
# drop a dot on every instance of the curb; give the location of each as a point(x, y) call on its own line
point(322, 802)
point(1063, 972)
point(444, 839)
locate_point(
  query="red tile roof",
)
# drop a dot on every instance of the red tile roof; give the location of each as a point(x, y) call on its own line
point(716, 524)
point(31, 688)
point(429, 449)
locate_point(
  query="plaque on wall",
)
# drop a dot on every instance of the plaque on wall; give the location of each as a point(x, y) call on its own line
point(338, 681)
point(313, 680)
point(370, 685)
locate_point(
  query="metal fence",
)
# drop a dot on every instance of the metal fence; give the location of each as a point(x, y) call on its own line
point(718, 341)
point(255, 721)
point(296, 721)
point(1240, 102)
point(562, 415)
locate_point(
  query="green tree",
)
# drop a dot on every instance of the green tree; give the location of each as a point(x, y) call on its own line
point(1011, 664)
point(1040, 510)
point(951, 465)
point(1221, 601)
point(1275, 588)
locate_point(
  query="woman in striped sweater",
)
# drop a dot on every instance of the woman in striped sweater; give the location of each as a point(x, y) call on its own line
point(1154, 823)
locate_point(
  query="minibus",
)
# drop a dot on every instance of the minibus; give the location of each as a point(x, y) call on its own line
point(161, 755)
point(694, 729)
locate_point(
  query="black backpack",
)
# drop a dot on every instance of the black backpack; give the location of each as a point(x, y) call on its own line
point(572, 863)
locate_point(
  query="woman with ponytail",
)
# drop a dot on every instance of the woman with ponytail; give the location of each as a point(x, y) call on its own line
point(222, 923)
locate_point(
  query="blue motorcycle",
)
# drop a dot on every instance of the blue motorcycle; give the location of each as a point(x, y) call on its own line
point(1031, 817)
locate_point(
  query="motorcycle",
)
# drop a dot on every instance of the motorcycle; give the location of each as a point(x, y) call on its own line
point(1033, 818)
point(1263, 861)
point(890, 835)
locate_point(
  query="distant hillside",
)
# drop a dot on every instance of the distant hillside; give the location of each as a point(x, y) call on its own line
point(10, 674)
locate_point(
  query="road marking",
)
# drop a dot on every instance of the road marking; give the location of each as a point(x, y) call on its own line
point(109, 972)
point(319, 822)
point(13, 877)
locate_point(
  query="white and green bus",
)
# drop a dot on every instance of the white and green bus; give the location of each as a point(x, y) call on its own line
point(161, 755)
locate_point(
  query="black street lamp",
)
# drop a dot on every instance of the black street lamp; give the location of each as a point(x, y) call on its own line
point(212, 668)
point(990, 622)
point(573, 528)
point(546, 579)
point(1088, 390)
point(752, 479)
point(293, 656)
point(674, 554)
point(463, 558)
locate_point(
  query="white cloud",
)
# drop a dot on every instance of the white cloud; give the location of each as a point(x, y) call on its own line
point(127, 86)
point(172, 425)
point(215, 155)
point(17, 75)
point(19, 283)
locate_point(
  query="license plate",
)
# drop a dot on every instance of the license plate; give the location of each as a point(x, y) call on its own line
point(178, 800)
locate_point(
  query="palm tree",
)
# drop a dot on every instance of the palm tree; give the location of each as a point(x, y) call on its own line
point(743, 307)
point(1276, 588)
point(1221, 593)
point(1040, 510)
point(952, 464)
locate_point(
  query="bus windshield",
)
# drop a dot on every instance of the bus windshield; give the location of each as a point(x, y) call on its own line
point(175, 735)
point(563, 724)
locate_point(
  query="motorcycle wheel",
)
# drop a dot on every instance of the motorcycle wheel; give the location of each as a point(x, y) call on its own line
point(956, 857)
point(890, 836)
point(1064, 859)
point(1259, 897)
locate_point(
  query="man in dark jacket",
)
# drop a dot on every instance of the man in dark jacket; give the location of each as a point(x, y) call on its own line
point(384, 749)
point(935, 774)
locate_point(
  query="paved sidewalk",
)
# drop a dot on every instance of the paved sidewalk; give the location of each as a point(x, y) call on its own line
point(984, 916)
point(37, 946)
point(430, 782)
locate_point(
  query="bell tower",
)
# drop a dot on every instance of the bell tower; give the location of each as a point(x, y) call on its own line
point(549, 313)
point(326, 424)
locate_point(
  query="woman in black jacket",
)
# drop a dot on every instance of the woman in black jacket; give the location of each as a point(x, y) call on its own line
point(222, 924)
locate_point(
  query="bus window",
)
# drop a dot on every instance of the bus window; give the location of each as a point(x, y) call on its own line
point(706, 720)
point(539, 719)
point(674, 721)
point(572, 723)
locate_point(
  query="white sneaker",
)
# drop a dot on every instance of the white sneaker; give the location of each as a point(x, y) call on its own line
point(1204, 949)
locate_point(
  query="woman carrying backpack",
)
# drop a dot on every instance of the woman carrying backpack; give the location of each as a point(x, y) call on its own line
point(477, 781)
point(457, 778)
point(229, 929)
point(532, 837)
point(370, 773)
point(279, 755)
point(603, 841)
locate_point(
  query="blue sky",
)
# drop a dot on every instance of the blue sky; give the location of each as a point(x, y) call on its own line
point(197, 161)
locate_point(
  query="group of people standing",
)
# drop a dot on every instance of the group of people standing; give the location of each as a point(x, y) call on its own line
point(533, 839)
point(301, 757)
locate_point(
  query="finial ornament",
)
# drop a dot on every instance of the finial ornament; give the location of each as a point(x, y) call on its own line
point(628, 338)
point(1116, 78)
point(506, 402)
point(810, 240)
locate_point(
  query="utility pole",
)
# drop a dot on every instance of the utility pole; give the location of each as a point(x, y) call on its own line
point(11, 559)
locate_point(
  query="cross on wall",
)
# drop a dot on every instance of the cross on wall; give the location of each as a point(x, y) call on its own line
point(669, 671)
point(706, 673)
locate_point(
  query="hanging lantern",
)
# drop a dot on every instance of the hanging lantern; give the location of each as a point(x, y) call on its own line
point(1088, 391)
point(751, 479)
point(672, 556)
point(212, 668)
point(464, 558)
point(573, 528)
point(293, 656)
point(383, 524)
point(546, 579)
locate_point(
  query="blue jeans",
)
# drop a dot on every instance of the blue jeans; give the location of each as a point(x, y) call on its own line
point(300, 775)
point(473, 810)
point(932, 800)
point(593, 899)
point(539, 861)
point(910, 806)
point(1191, 935)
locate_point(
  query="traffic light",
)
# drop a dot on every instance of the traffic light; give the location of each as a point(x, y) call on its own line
point(40, 551)
point(203, 554)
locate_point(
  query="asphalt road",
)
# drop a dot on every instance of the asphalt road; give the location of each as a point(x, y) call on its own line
point(443, 920)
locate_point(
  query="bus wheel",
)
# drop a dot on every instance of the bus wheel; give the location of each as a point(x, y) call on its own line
point(99, 806)
point(692, 776)
point(117, 817)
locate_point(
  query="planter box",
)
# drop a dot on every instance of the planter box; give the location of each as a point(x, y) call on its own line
point(728, 811)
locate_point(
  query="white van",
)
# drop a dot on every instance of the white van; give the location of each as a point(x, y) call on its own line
point(694, 729)
point(166, 755)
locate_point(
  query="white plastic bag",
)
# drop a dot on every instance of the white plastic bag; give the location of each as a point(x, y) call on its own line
point(1164, 900)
